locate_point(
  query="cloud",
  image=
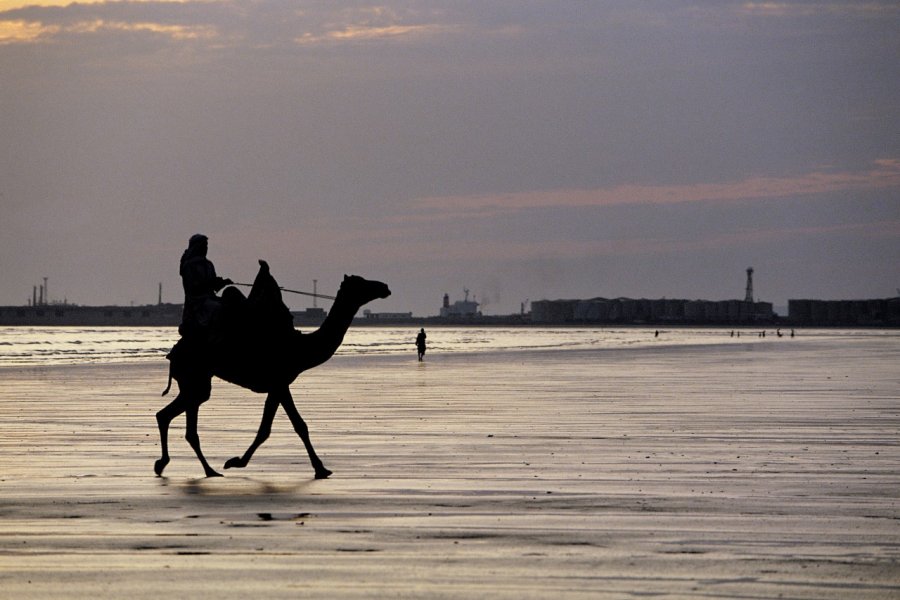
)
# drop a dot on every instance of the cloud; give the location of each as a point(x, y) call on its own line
point(356, 33)
point(791, 9)
point(42, 21)
point(20, 31)
point(747, 241)
point(252, 25)
point(408, 249)
point(173, 31)
point(884, 174)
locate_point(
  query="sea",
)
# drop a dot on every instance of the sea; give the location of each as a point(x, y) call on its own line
point(50, 346)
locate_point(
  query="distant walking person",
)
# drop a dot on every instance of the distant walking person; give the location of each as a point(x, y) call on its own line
point(200, 282)
point(420, 343)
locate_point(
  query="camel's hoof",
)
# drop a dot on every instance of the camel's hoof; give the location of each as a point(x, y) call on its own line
point(160, 465)
point(235, 463)
point(322, 473)
point(212, 473)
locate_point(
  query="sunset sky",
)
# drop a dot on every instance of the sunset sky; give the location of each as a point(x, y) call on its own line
point(522, 150)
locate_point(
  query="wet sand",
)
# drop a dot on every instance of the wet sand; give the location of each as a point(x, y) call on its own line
point(770, 470)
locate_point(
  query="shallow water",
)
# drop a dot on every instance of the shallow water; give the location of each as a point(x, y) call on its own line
point(49, 346)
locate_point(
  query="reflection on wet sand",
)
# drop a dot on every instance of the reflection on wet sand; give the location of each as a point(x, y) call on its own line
point(742, 470)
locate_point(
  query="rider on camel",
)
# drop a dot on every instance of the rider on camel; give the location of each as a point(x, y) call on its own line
point(200, 282)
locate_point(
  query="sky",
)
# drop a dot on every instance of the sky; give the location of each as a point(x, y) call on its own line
point(519, 150)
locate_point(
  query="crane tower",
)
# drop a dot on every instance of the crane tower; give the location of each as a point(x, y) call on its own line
point(748, 297)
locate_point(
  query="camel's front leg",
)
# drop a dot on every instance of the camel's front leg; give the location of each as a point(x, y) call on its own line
point(265, 428)
point(193, 439)
point(303, 431)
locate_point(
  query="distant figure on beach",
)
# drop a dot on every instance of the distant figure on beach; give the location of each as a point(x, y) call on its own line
point(200, 282)
point(656, 335)
point(420, 343)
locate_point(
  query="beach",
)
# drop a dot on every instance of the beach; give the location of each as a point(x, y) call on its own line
point(760, 469)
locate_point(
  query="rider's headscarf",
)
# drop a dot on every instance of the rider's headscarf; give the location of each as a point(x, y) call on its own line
point(194, 246)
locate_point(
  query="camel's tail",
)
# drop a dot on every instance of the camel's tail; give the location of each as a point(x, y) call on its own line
point(169, 386)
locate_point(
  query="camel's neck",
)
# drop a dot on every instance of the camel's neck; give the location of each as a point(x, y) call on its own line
point(338, 320)
point(320, 345)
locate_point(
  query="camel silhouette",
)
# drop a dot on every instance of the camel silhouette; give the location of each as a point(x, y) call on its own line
point(253, 344)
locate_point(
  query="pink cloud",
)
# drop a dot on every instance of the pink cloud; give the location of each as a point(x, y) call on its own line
point(884, 174)
point(561, 249)
point(403, 238)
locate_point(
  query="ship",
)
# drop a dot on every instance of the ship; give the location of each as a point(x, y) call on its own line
point(461, 308)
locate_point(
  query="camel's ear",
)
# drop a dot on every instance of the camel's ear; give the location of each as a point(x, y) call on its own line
point(345, 277)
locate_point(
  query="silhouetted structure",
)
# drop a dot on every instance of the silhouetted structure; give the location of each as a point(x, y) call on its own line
point(460, 308)
point(387, 317)
point(643, 311)
point(254, 345)
point(748, 294)
point(147, 315)
point(874, 312)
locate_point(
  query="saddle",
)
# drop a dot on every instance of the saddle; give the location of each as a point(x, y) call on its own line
point(241, 325)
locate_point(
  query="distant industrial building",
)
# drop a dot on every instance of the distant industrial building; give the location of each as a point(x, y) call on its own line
point(810, 313)
point(368, 315)
point(151, 315)
point(314, 316)
point(631, 311)
point(885, 312)
point(662, 311)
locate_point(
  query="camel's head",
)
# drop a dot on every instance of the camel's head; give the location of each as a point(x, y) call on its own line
point(363, 290)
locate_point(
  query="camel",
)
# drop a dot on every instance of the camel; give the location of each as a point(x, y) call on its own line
point(257, 347)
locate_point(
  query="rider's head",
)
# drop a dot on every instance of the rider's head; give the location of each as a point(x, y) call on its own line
point(198, 243)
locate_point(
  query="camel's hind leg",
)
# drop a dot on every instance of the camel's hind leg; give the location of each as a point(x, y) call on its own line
point(265, 428)
point(193, 438)
point(188, 400)
point(163, 419)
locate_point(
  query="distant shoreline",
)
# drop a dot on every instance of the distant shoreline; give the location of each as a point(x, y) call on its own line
point(169, 315)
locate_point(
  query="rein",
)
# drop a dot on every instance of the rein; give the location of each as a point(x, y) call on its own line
point(250, 285)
